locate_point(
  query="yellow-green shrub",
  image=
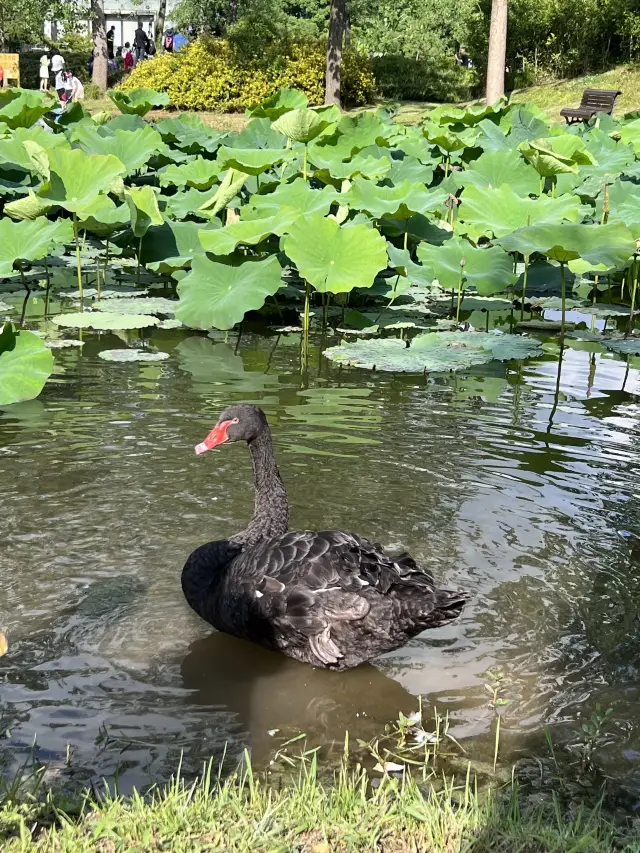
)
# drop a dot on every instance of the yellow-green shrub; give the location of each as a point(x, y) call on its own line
point(210, 74)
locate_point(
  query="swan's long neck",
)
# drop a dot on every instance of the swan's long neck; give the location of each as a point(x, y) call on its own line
point(271, 512)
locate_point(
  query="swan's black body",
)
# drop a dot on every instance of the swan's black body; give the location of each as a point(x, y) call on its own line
point(330, 598)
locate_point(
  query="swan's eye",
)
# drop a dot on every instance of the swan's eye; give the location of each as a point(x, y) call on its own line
point(235, 421)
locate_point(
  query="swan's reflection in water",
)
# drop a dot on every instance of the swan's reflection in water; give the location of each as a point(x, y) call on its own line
point(268, 691)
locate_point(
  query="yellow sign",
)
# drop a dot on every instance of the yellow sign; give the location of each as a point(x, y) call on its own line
point(10, 64)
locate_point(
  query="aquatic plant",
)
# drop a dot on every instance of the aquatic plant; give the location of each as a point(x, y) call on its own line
point(305, 207)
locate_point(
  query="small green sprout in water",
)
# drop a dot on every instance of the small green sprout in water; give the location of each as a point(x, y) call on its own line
point(591, 737)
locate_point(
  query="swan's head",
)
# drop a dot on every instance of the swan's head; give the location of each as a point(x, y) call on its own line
point(241, 422)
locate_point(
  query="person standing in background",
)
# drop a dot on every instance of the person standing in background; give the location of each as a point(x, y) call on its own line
point(127, 56)
point(140, 43)
point(167, 41)
point(44, 72)
point(110, 37)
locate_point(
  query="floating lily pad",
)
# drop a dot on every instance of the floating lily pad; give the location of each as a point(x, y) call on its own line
point(64, 343)
point(152, 305)
point(105, 320)
point(132, 355)
point(602, 309)
point(170, 323)
point(434, 352)
point(630, 346)
point(544, 325)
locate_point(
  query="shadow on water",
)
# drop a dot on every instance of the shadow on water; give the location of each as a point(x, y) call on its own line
point(272, 693)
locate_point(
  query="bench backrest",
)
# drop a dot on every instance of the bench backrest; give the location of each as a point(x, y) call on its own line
point(599, 99)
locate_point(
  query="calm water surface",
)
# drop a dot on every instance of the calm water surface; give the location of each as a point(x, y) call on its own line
point(518, 487)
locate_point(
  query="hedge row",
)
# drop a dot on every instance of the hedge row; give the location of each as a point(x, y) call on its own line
point(211, 74)
point(404, 79)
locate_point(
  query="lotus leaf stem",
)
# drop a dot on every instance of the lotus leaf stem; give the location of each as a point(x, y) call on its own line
point(447, 161)
point(527, 258)
point(459, 294)
point(305, 324)
point(139, 256)
point(304, 163)
point(595, 299)
point(563, 295)
point(556, 396)
point(633, 293)
point(78, 261)
point(406, 236)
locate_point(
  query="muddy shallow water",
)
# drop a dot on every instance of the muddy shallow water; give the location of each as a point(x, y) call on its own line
point(502, 480)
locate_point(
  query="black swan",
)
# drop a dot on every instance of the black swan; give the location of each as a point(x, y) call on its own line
point(330, 599)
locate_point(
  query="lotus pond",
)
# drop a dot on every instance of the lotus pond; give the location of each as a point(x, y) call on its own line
point(439, 322)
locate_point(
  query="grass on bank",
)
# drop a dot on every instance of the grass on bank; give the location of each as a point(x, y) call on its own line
point(248, 813)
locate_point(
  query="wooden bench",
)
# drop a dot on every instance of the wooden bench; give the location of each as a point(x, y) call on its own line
point(593, 101)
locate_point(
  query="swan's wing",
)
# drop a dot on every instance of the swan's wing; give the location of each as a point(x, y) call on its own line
point(311, 584)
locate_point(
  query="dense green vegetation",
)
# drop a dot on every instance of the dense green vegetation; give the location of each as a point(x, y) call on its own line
point(394, 238)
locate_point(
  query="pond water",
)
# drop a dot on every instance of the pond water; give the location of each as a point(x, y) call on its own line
point(519, 486)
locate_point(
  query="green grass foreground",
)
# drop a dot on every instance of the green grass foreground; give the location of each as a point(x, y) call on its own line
point(247, 812)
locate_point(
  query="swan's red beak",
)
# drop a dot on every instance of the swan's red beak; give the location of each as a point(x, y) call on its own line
point(218, 435)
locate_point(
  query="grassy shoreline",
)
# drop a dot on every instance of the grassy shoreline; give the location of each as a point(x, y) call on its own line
point(247, 812)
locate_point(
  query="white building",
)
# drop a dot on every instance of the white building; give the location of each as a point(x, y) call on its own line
point(124, 16)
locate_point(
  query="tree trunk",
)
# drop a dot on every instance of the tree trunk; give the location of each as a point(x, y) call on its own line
point(334, 52)
point(497, 50)
point(162, 14)
point(100, 58)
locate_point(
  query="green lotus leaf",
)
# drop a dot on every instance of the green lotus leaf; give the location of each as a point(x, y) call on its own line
point(398, 202)
point(199, 173)
point(301, 125)
point(25, 365)
point(76, 179)
point(131, 123)
point(297, 194)
point(624, 204)
point(150, 305)
point(218, 295)
point(248, 232)
point(278, 104)
point(30, 240)
point(23, 107)
point(138, 101)
point(230, 186)
point(104, 217)
point(473, 114)
point(186, 203)
point(629, 134)
point(489, 270)
point(356, 132)
point(328, 166)
point(492, 137)
point(525, 123)
point(188, 133)
point(496, 168)
point(556, 155)
point(446, 140)
point(173, 245)
point(129, 355)
point(434, 352)
point(144, 210)
point(103, 321)
point(610, 244)
point(496, 212)
point(602, 309)
point(257, 134)
point(28, 207)
point(407, 169)
point(630, 346)
point(253, 161)
point(411, 273)
point(333, 258)
point(133, 149)
point(14, 155)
